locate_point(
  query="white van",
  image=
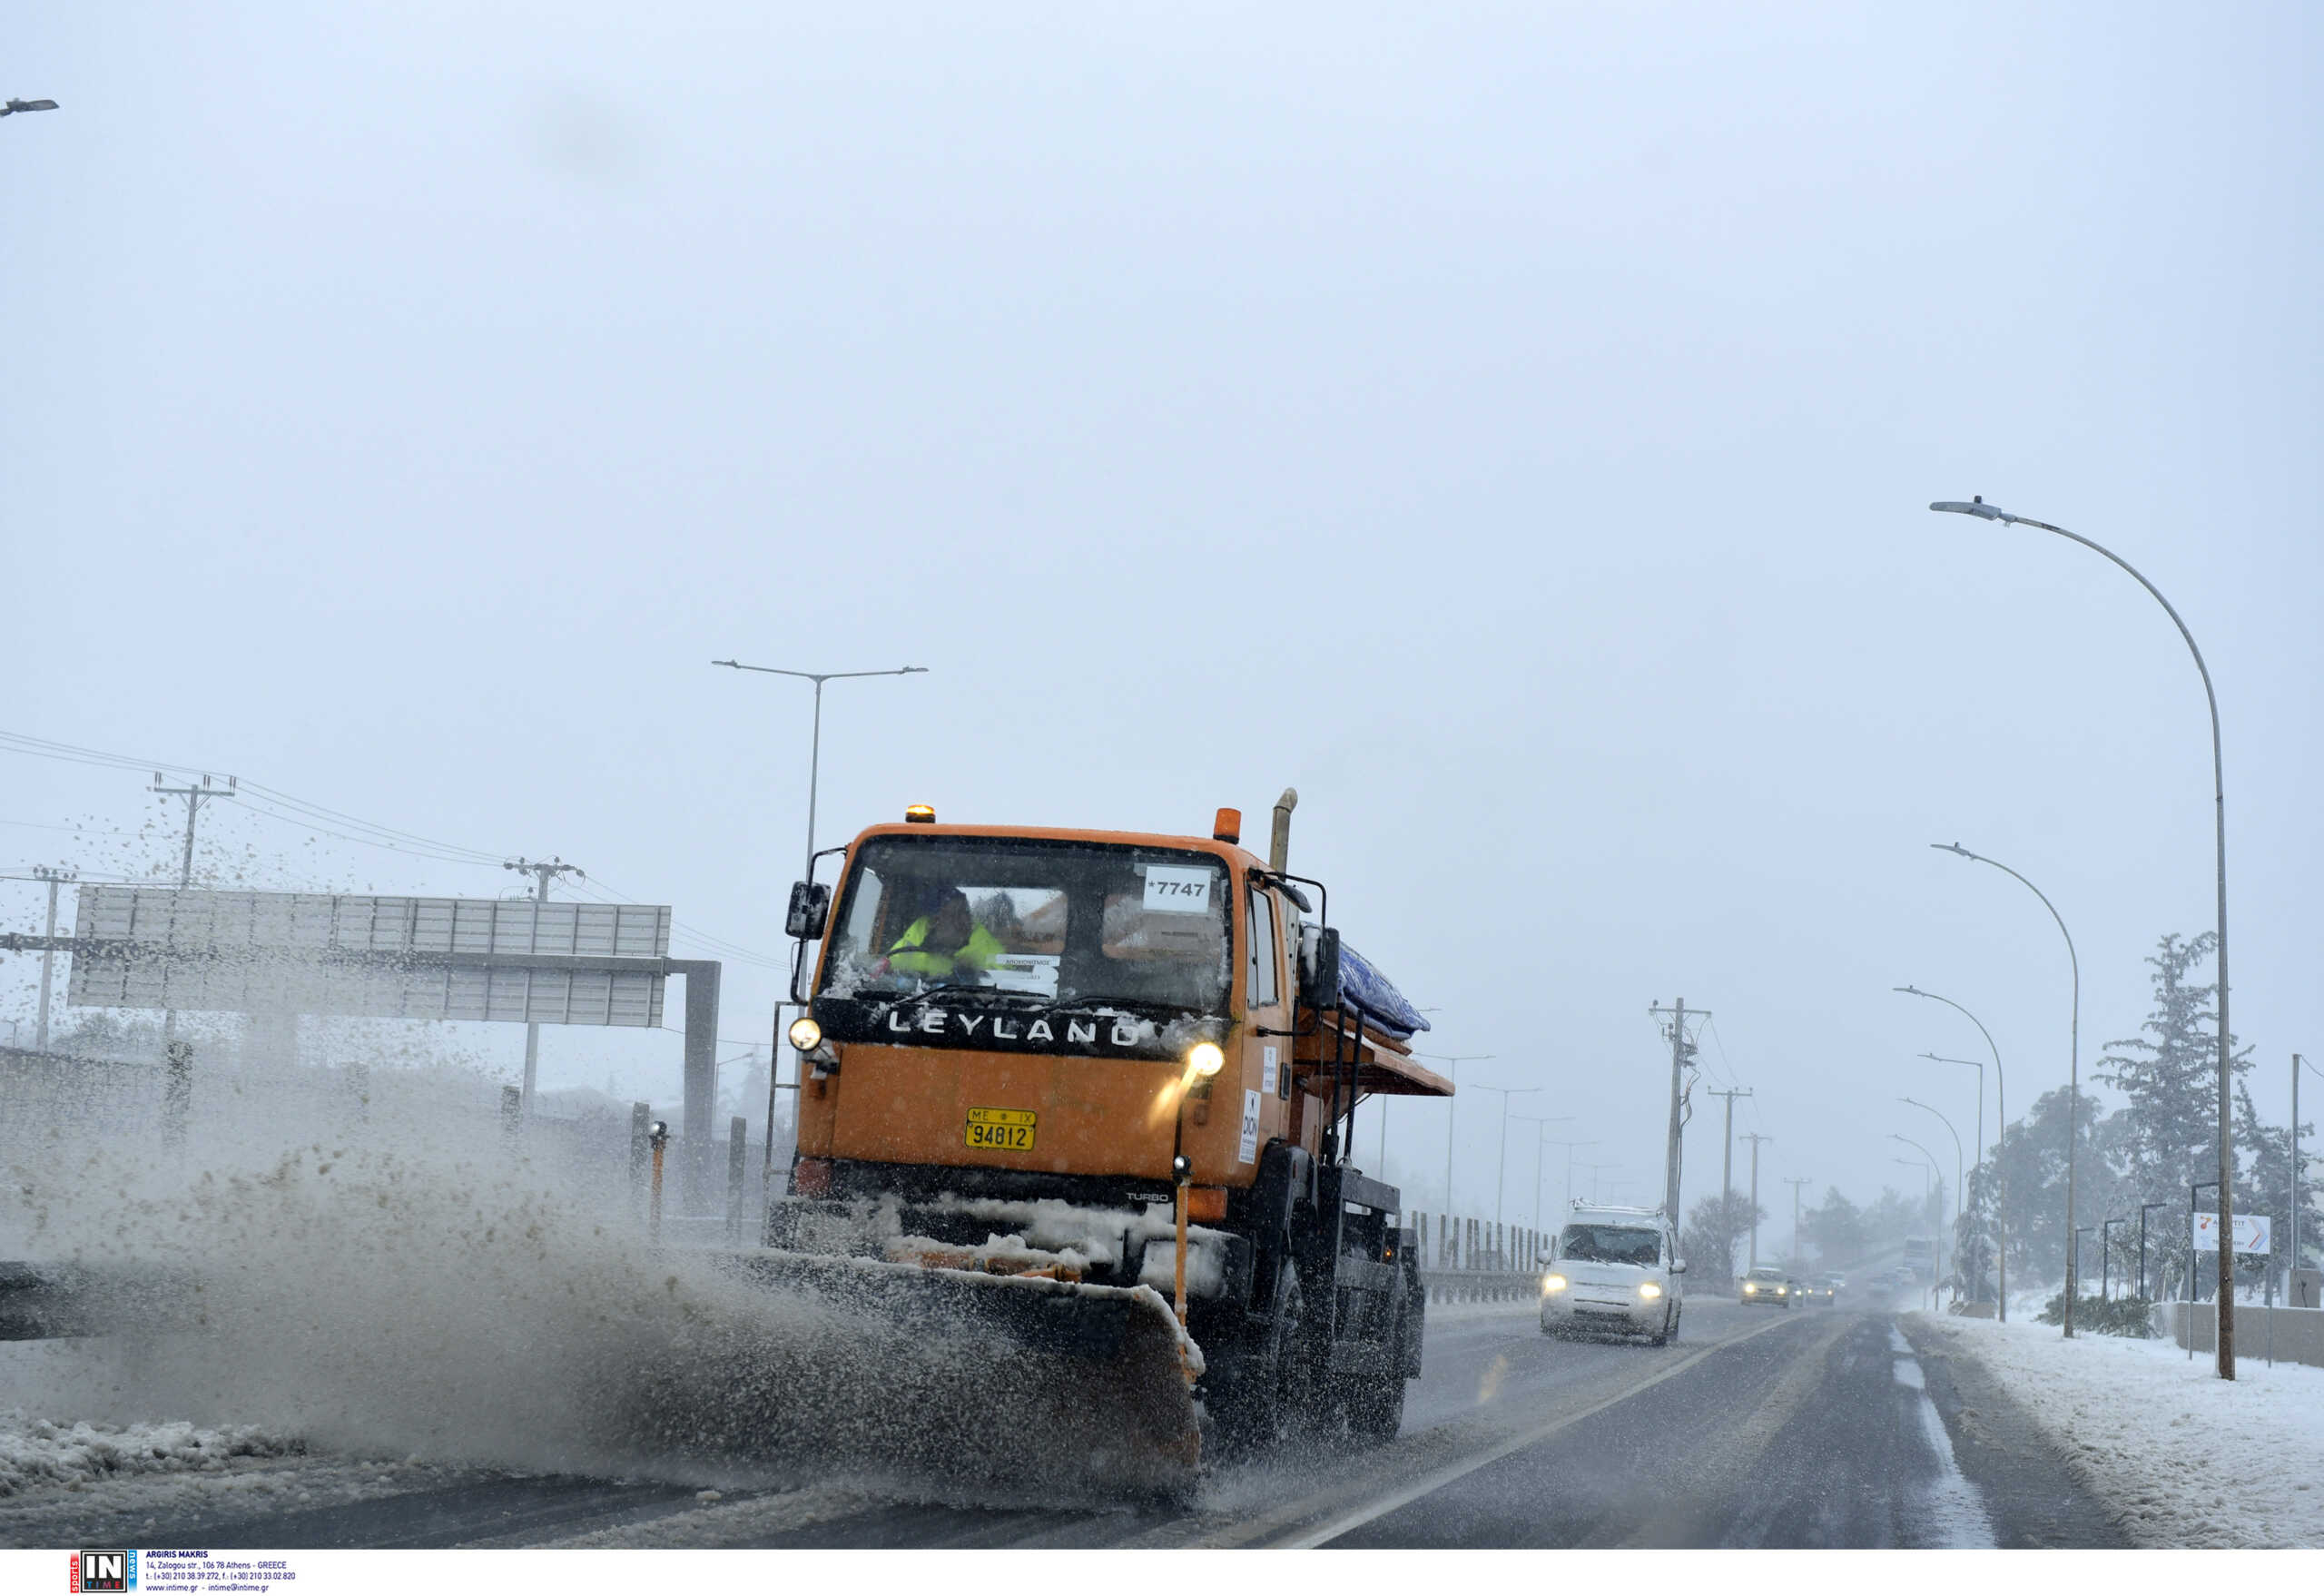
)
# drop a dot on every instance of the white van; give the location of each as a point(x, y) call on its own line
point(1614, 1270)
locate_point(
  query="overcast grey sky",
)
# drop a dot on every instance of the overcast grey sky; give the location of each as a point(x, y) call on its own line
point(1511, 426)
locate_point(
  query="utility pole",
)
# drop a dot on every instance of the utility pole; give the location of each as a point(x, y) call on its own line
point(1726, 1182)
point(543, 873)
point(1795, 1182)
point(1755, 1138)
point(1682, 1052)
point(56, 878)
point(2295, 1132)
point(195, 797)
point(177, 1057)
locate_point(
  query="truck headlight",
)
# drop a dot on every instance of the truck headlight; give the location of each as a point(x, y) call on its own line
point(1205, 1059)
point(1552, 1284)
point(1648, 1290)
point(806, 1035)
point(1749, 1289)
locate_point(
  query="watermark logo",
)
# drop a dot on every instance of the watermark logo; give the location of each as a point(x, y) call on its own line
point(114, 1570)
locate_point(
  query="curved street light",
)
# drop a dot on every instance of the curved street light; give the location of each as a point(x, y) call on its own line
point(1978, 508)
point(2000, 1145)
point(1932, 1168)
point(1960, 1187)
point(2073, 1055)
point(1979, 1066)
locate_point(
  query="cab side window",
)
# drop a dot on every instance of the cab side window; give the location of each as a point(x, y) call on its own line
point(1265, 957)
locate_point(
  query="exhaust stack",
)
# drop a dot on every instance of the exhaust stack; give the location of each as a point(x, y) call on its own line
point(1279, 846)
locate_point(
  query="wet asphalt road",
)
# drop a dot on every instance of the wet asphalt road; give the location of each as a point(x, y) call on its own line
point(1814, 1427)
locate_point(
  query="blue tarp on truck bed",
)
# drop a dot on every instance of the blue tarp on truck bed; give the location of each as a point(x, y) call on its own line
point(1362, 984)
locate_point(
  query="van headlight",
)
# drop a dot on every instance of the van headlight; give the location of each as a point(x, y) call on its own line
point(1648, 1290)
point(1749, 1289)
point(1552, 1284)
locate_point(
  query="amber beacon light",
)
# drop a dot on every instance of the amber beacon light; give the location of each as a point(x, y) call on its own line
point(1228, 827)
point(921, 814)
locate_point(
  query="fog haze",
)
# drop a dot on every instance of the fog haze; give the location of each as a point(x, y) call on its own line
point(1510, 427)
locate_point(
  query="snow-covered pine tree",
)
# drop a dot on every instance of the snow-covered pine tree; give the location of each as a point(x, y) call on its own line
point(2171, 1077)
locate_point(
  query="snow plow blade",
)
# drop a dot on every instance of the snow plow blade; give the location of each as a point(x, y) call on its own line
point(1008, 1378)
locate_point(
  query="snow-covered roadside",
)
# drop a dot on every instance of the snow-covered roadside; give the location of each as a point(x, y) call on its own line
point(2183, 1458)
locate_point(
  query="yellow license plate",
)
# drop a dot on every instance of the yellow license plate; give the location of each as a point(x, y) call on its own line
point(1005, 1130)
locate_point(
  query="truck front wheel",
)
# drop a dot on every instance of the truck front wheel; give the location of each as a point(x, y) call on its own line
point(1271, 1388)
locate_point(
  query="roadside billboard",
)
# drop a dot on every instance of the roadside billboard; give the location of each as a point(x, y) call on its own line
point(2253, 1233)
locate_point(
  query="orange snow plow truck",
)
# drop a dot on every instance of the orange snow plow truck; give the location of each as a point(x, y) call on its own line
point(1091, 1095)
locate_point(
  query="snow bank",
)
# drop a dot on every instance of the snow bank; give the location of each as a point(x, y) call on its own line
point(2183, 1458)
point(41, 1451)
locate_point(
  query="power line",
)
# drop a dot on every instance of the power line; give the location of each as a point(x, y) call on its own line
point(305, 814)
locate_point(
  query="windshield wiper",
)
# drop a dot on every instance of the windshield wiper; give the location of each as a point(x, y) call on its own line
point(1141, 1006)
point(961, 986)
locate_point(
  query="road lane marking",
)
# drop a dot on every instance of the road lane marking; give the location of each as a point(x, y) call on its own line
point(1435, 1481)
point(1955, 1507)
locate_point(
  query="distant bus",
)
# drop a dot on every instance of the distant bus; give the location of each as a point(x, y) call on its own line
point(1920, 1257)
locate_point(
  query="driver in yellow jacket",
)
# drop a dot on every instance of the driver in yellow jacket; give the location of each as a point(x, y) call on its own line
point(948, 944)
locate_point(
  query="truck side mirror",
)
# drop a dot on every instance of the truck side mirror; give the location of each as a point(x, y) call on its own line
point(811, 906)
point(1319, 971)
point(1679, 1268)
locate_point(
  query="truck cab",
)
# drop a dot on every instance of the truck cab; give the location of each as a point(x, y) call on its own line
point(1026, 1050)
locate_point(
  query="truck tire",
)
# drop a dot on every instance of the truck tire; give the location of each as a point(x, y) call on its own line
point(1373, 1408)
point(1271, 1391)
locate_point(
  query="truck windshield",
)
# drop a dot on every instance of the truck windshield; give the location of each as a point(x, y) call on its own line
point(1065, 922)
point(1610, 1244)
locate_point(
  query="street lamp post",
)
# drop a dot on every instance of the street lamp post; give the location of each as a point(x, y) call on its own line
point(815, 742)
point(1929, 1172)
point(2144, 1209)
point(1934, 1169)
point(2106, 1257)
point(1451, 1106)
point(1977, 507)
point(1959, 1186)
point(1500, 1177)
point(2073, 1056)
point(815, 776)
point(2000, 1145)
point(1979, 1066)
point(1544, 1123)
point(1596, 1170)
point(1568, 1146)
point(10, 107)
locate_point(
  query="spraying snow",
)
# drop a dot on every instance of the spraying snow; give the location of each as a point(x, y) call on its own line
point(411, 1282)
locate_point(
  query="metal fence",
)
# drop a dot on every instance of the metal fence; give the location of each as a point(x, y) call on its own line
point(1478, 1260)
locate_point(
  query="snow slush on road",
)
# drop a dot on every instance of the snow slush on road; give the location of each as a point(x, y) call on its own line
point(375, 1302)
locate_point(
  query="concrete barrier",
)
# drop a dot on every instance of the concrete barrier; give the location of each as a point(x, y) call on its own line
point(2291, 1335)
point(1450, 1286)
